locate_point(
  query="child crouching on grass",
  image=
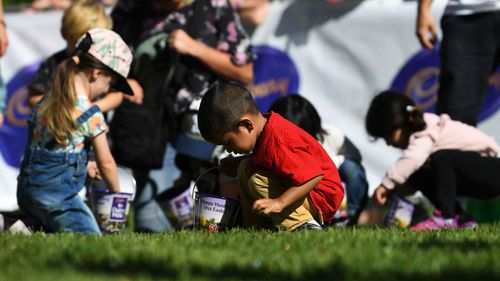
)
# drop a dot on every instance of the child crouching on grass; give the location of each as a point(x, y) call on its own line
point(443, 158)
point(53, 168)
point(287, 180)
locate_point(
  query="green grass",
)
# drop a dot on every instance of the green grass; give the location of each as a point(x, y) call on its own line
point(338, 254)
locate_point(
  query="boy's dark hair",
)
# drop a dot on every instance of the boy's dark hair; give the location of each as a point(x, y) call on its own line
point(301, 112)
point(221, 108)
point(391, 110)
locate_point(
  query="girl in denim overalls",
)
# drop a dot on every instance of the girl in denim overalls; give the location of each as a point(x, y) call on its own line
point(53, 170)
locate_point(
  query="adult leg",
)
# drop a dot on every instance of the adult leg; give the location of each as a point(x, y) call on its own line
point(148, 215)
point(468, 54)
point(353, 174)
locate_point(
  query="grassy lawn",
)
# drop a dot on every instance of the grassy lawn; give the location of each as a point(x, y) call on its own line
point(337, 254)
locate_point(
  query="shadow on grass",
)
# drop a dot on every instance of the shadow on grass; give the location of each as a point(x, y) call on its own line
point(336, 271)
point(458, 245)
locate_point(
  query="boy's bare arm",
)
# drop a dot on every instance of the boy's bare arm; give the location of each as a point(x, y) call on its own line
point(266, 206)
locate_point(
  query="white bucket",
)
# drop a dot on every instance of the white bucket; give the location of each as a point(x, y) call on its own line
point(111, 209)
point(215, 213)
point(177, 204)
point(342, 211)
point(400, 212)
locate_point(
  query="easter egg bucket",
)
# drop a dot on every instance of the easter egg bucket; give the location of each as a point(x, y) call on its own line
point(215, 213)
point(177, 204)
point(111, 209)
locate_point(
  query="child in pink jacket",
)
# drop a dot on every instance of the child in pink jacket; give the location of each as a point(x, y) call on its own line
point(442, 158)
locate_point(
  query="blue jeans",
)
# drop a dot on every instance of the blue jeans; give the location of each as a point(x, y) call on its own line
point(353, 175)
point(48, 187)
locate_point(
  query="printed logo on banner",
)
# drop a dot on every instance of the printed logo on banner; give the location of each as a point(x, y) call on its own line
point(275, 75)
point(419, 79)
point(14, 132)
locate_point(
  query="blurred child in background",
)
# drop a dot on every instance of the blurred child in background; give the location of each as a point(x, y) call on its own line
point(77, 19)
point(442, 158)
point(53, 168)
point(344, 154)
point(288, 181)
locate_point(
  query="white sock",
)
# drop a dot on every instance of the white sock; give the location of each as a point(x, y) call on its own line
point(2, 224)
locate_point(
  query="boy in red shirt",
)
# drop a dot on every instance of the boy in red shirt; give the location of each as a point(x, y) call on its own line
point(286, 180)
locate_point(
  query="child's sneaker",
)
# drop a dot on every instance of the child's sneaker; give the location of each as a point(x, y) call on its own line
point(311, 225)
point(19, 228)
point(469, 224)
point(436, 222)
point(466, 221)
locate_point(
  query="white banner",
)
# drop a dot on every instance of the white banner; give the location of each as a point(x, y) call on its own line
point(32, 37)
point(345, 55)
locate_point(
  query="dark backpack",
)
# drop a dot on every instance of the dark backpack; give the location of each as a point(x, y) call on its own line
point(139, 133)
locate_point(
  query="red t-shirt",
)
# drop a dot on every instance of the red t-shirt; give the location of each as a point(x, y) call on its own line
point(297, 157)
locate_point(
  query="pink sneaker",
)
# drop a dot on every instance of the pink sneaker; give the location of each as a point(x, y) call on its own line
point(469, 224)
point(436, 222)
point(466, 221)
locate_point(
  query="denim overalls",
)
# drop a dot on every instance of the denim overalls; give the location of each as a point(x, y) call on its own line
point(49, 182)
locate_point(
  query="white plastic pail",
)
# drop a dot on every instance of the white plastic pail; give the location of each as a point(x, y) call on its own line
point(177, 204)
point(215, 213)
point(111, 209)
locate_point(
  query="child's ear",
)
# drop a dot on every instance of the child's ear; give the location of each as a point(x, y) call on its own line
point(246, 123)
point(93, 75)
point(96, 73)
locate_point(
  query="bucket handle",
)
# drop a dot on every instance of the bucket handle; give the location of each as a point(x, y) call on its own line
point(199, 177)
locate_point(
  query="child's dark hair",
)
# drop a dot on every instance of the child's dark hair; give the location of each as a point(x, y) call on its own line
point(391, 110)
point(221, 108)
point(301, 112)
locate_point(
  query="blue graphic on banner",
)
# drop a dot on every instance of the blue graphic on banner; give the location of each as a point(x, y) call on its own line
point(419, 79)
point(275, 75)
point(14, 132)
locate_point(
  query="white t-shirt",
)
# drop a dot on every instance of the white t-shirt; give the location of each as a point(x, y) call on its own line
point(332, 143)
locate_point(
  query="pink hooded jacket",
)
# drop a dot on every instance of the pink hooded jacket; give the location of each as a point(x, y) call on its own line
point(440, 133)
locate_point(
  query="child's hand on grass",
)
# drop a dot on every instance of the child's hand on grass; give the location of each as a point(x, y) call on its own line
point(265, 206)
